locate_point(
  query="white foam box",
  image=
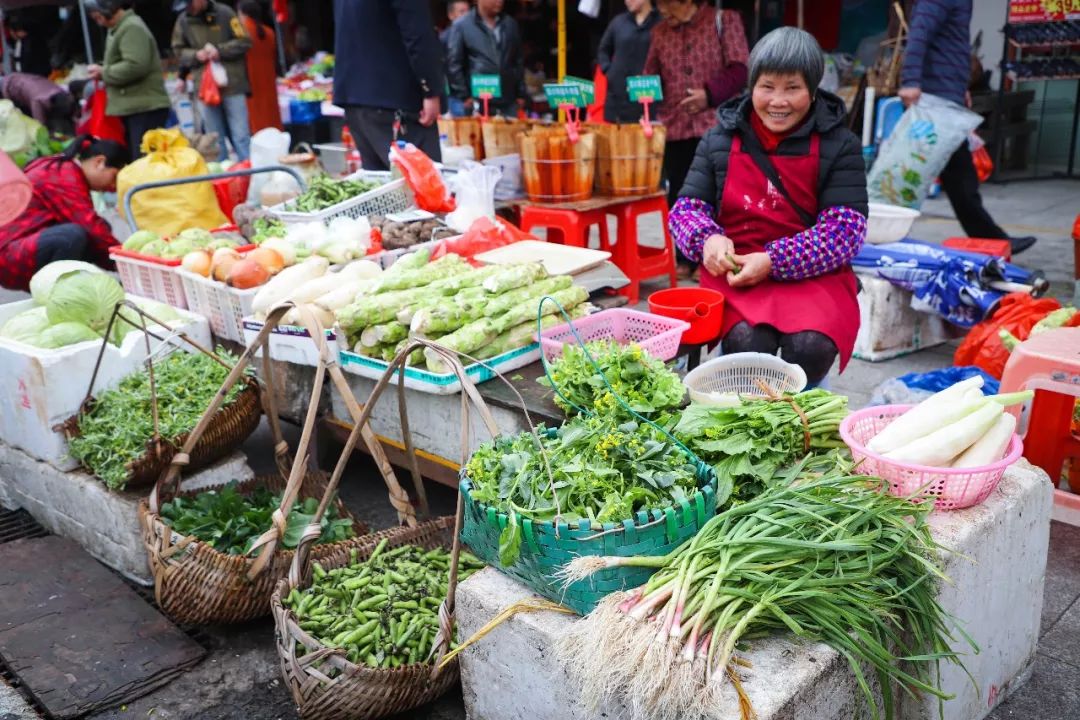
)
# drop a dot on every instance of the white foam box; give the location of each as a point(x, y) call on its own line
point(40, 389)
point(889, 327)
point(997, 573)
point(289, 343)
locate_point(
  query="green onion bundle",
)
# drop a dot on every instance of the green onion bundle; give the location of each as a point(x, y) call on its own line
point(832, 558)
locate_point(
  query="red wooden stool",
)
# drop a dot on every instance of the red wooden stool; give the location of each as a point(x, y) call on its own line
point(1049, 364)
point(984, 246)
point(571, 227)
point(640, 262)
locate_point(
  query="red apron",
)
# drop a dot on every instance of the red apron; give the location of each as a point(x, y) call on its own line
point(753, 213)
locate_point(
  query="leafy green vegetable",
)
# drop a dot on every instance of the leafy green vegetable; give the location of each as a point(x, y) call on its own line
point(230, 522)
point(87, 298)
point(266, 228)
point(601, 470)
point(139, 239)
point(26, 326)
point(118, 427)
point(324, 192)
point(63, 334)
point(643, 382)
point(43, 281)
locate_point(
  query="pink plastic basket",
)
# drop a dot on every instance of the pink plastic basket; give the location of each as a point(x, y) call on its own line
point(949, 488)
point(657, 335)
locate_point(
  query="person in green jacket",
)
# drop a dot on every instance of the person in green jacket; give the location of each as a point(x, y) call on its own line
point(131, 71)
point(207, 32)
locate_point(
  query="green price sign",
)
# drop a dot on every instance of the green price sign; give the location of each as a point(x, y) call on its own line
point(486, 86)
point(644, 87)
point(588, 87)
point(563, 94)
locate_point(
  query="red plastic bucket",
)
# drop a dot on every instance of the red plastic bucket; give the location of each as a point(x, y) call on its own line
point(701, 307)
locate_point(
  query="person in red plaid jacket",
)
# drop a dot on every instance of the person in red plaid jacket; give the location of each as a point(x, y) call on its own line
point(60, 222)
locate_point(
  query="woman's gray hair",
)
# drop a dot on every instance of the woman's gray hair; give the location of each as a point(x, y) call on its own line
point(788, 50)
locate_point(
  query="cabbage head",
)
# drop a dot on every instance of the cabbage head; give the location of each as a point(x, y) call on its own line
point(177, 248)
point(26, 326)
point(44, 279)
point(201, 238)
point(63, 334)
point(137, 240)
point(87, 298)
point(158, 310)
point(154, 248)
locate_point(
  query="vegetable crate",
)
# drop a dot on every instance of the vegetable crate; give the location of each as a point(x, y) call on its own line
point(150, 277)
point(225, 307)
point(657, 335)
point(393, 197)
point(547, 547)
point(289, 343)
point(442, 383)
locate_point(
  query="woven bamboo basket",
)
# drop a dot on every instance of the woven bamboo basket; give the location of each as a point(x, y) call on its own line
point(196, 584)
point(323, 682)
point(501, 135)
point(555, 169)
point(627, 162)
point(464, 131)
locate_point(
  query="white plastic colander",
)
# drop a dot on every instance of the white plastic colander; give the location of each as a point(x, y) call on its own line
point(722, 380)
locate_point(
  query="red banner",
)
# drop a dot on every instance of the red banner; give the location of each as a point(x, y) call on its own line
point(1025, 11)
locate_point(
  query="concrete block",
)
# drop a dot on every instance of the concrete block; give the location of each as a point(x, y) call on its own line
point(889, 327)
point(996, 593)
point(78, 506)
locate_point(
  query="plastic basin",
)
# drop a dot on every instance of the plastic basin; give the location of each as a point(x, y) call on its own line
point(889, 223)
point(701, 307)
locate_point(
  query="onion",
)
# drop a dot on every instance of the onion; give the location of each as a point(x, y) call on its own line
point(268, 258)
point(198, 262)
point(246, 274)
point(222, 262)
point(282, 247)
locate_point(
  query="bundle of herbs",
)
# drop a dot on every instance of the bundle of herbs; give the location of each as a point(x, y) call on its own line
point(643, 382)
point(830, 558)
point(119, 426)
point(748, 443)
point(596, 468)
point(230, 522)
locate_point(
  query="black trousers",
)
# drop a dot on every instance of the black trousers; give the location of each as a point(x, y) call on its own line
point(67, 241)
point(961, 185)
point(138, 124)
point(678, 156)
point(373, 131)
point(814, 352)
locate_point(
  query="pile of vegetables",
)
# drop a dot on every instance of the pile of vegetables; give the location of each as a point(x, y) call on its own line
point(324, 192)
point(231, 522)
point(118, 428)
point(314, 283)
point(73, 302)
point(23, 138)
point(643, 382)
point(480, 312)
point(830, 558)
point(397, 235)
point(383, 612)
point(148, 242)
point(748, 443)
point(958, 427)
point(595, 468)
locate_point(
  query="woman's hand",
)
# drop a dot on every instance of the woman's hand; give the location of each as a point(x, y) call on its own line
point(716, 253)
point(94, 72)
point(751, 269)
point(695, 101)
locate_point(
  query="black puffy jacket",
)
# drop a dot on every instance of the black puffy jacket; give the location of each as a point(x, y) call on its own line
point(841, 173)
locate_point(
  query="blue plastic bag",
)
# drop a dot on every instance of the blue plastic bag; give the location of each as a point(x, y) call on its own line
point(937, 380)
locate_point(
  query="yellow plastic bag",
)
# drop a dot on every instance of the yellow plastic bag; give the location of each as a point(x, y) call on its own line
point(169, 210)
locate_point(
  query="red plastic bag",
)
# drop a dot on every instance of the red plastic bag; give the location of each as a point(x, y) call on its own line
point(99, 124)
point(209, 92)
point(1017, 313)
point(984, 165)
point(483, 235)
point(423, 178)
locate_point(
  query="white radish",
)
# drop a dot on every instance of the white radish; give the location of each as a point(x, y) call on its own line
point(991, 447)
point(286, 281)
point(926, 417)
point(939, 448)
point(344, 295)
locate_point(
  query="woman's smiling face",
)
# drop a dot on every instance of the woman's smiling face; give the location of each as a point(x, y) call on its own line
point(781, 100)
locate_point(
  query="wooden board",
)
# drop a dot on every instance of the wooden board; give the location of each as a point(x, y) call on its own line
point(76, 635)
point(557, 259)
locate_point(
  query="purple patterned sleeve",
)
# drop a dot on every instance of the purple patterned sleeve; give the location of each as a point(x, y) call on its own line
point(827, 246)
point(690, 223)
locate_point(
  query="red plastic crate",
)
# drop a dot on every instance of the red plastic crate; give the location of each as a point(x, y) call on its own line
point(985, 246)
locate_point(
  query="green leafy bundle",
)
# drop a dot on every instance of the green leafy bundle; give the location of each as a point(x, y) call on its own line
point(230, 522)
point(601, 470)
point(324, 192)
point(643, 382)
point(748, 443)
point(116, 430)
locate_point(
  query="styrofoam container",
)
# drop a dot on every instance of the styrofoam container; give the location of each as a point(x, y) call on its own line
point(40, 389)
point(889, 223)
point(289, 343)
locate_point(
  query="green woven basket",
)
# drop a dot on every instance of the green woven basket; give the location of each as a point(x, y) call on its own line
point(545, 549)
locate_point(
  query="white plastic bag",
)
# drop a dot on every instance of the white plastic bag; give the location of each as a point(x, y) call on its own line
point(221, 77)
point(589, 7)
point(268, 146)
point(918, 149)
point(474, 190)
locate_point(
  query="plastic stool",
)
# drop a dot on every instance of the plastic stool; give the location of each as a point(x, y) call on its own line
point(639, 262)
point(1049, 364)
point(983, 246)
point(571, 226)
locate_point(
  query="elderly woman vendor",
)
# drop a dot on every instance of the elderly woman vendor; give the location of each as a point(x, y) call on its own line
point(775, 208)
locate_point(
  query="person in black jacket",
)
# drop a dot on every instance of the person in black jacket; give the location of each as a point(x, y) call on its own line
point(775, 206)
point(622, 53)
point(487, 42)
point(388, 71)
